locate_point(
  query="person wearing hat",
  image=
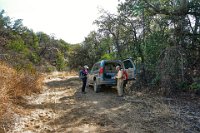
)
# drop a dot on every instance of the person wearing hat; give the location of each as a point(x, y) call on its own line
point(83, 76)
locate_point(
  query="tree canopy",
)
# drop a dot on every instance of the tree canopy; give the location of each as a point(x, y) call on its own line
point(22, 47)
point(162, 36)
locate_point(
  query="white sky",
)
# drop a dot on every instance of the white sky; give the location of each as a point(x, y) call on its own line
point(70, 20)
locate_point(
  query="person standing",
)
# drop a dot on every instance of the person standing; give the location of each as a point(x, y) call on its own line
point(120, 79)
point(83, 76)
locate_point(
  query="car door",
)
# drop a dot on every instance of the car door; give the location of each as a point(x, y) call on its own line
point(93, 73)
point(130, 68)
point(90, 75)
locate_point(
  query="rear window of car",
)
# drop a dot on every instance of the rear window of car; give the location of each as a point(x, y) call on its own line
point(111, 66)
point(128, 64)
point(96, 67)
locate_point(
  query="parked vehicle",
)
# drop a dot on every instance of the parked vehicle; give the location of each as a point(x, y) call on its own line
point(104, 71)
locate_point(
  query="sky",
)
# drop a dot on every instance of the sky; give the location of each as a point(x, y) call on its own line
point(70, 20)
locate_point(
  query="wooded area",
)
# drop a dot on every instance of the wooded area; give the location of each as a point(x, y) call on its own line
point(23, 48)
point(162, 37)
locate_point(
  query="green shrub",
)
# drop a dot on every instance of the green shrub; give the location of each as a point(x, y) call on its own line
point(183, 85)
point(49, 69)
point(33, 57)
point(156, 80)
point(17, 45)
point(107, 57)
point(60, 61)
point(195, 86)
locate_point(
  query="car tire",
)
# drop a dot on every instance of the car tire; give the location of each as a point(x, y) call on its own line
point(96, 87)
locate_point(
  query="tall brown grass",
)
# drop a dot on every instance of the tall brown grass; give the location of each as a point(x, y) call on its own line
point(13, 86)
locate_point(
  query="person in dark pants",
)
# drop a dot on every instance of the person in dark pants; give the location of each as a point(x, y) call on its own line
point(84, 84)
point(83, 76)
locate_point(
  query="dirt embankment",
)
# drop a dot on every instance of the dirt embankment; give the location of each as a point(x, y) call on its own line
point(61, 108)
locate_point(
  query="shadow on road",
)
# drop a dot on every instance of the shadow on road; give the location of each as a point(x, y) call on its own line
point(105, 112)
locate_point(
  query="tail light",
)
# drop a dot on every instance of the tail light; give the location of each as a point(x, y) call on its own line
point(101, 71)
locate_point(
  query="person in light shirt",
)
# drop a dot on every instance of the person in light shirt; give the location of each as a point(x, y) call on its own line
point(120, 79)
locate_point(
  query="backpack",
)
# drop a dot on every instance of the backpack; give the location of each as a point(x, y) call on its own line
point(82, 74)
point(125, 75)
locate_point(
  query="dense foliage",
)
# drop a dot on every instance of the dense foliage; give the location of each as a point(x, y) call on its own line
point(162, 36)
point(23, 48)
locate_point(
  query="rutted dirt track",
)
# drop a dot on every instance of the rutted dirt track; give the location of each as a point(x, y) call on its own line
point(62, 108)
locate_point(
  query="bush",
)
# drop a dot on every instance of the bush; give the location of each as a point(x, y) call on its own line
point(107, 57)
point(50, 69)
point(33, 57)
point(60, 61)
point(17, 45)
point(183, 86)
point(156, 80)
point(195, 86)
point(13, 86)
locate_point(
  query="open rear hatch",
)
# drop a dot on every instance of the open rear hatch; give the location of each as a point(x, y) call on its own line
point(110, 70)
point(130, 68)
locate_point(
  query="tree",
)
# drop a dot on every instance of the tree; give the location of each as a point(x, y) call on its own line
point(108, 24)
point(25, 47)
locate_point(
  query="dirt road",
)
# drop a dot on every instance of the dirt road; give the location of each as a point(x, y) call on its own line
point(61, 108)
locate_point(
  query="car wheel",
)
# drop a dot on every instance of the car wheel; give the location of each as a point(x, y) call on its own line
point(96, 87)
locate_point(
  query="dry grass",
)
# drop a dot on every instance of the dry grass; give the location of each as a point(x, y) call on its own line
point(62, 75)
point(67, 73)
point(25, 84)
point(14, 85)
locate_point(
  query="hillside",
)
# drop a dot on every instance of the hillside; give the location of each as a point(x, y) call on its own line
point(23, 48)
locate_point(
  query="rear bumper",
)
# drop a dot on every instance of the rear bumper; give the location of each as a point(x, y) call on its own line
point(107, 82)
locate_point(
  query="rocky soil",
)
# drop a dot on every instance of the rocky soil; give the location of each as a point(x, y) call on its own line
point(62, 108)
